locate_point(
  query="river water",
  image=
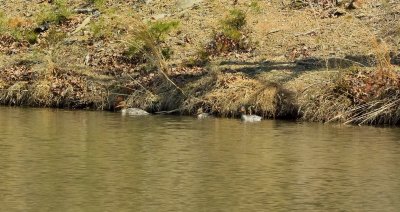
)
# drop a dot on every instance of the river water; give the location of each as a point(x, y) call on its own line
point(57, 160)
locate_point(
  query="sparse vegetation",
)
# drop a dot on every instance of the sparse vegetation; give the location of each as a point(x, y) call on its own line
point(19, 29)
point(57, 13)
point(254, 6)
point(160, 29)
point(3, 22)
point(53, 36)
point(97, 3)
point(148, 39)
point(234, 23)
point(231, 38)
point(297, 4)
point(100, 29)
point(141, 55)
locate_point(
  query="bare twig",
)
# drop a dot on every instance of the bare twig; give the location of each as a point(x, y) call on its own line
point(273, 31)
point(83, 24)
point(314, 31)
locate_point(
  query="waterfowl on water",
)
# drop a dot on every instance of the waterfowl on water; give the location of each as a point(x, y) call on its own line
point(201, 114)
point(134, 112)
point(131, 111)
point(250, 117)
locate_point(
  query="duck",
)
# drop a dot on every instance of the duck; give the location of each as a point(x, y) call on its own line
point(201, 114)
point(134, 112)
point(131, 111)
point(250, 117)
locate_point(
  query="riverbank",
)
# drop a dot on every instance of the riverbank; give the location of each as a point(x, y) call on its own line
point(315, 63)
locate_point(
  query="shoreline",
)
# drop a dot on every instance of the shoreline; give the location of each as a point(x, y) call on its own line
point(313, 97)
point(334, 67)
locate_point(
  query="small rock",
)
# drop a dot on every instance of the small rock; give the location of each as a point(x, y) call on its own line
point(42, 28)
point(96, 14)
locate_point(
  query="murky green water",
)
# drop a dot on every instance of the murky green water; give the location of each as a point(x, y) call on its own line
point(92, 161)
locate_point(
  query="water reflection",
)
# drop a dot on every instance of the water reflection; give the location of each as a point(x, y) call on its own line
point(55, 160)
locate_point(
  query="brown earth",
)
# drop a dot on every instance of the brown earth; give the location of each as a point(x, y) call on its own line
point(298, 53)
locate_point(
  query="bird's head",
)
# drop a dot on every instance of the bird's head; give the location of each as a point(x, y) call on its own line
point(200, 111)
point(242, 110)
point(121, 105)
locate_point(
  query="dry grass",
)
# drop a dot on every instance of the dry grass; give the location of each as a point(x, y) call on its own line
point(41, 94)
point(17, 94)
point(224, 93)
point(358, 96)
point(322, 104)
point(91, 68)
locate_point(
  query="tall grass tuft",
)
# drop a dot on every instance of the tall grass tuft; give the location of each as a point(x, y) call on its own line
point(146, 41)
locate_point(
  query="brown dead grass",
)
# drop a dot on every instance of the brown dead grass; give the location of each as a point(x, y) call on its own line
point(224, 93)
point(59, 76)
point(358, 96)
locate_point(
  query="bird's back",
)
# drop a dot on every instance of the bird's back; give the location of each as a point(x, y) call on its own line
point(251, 118)
point(134, 112)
